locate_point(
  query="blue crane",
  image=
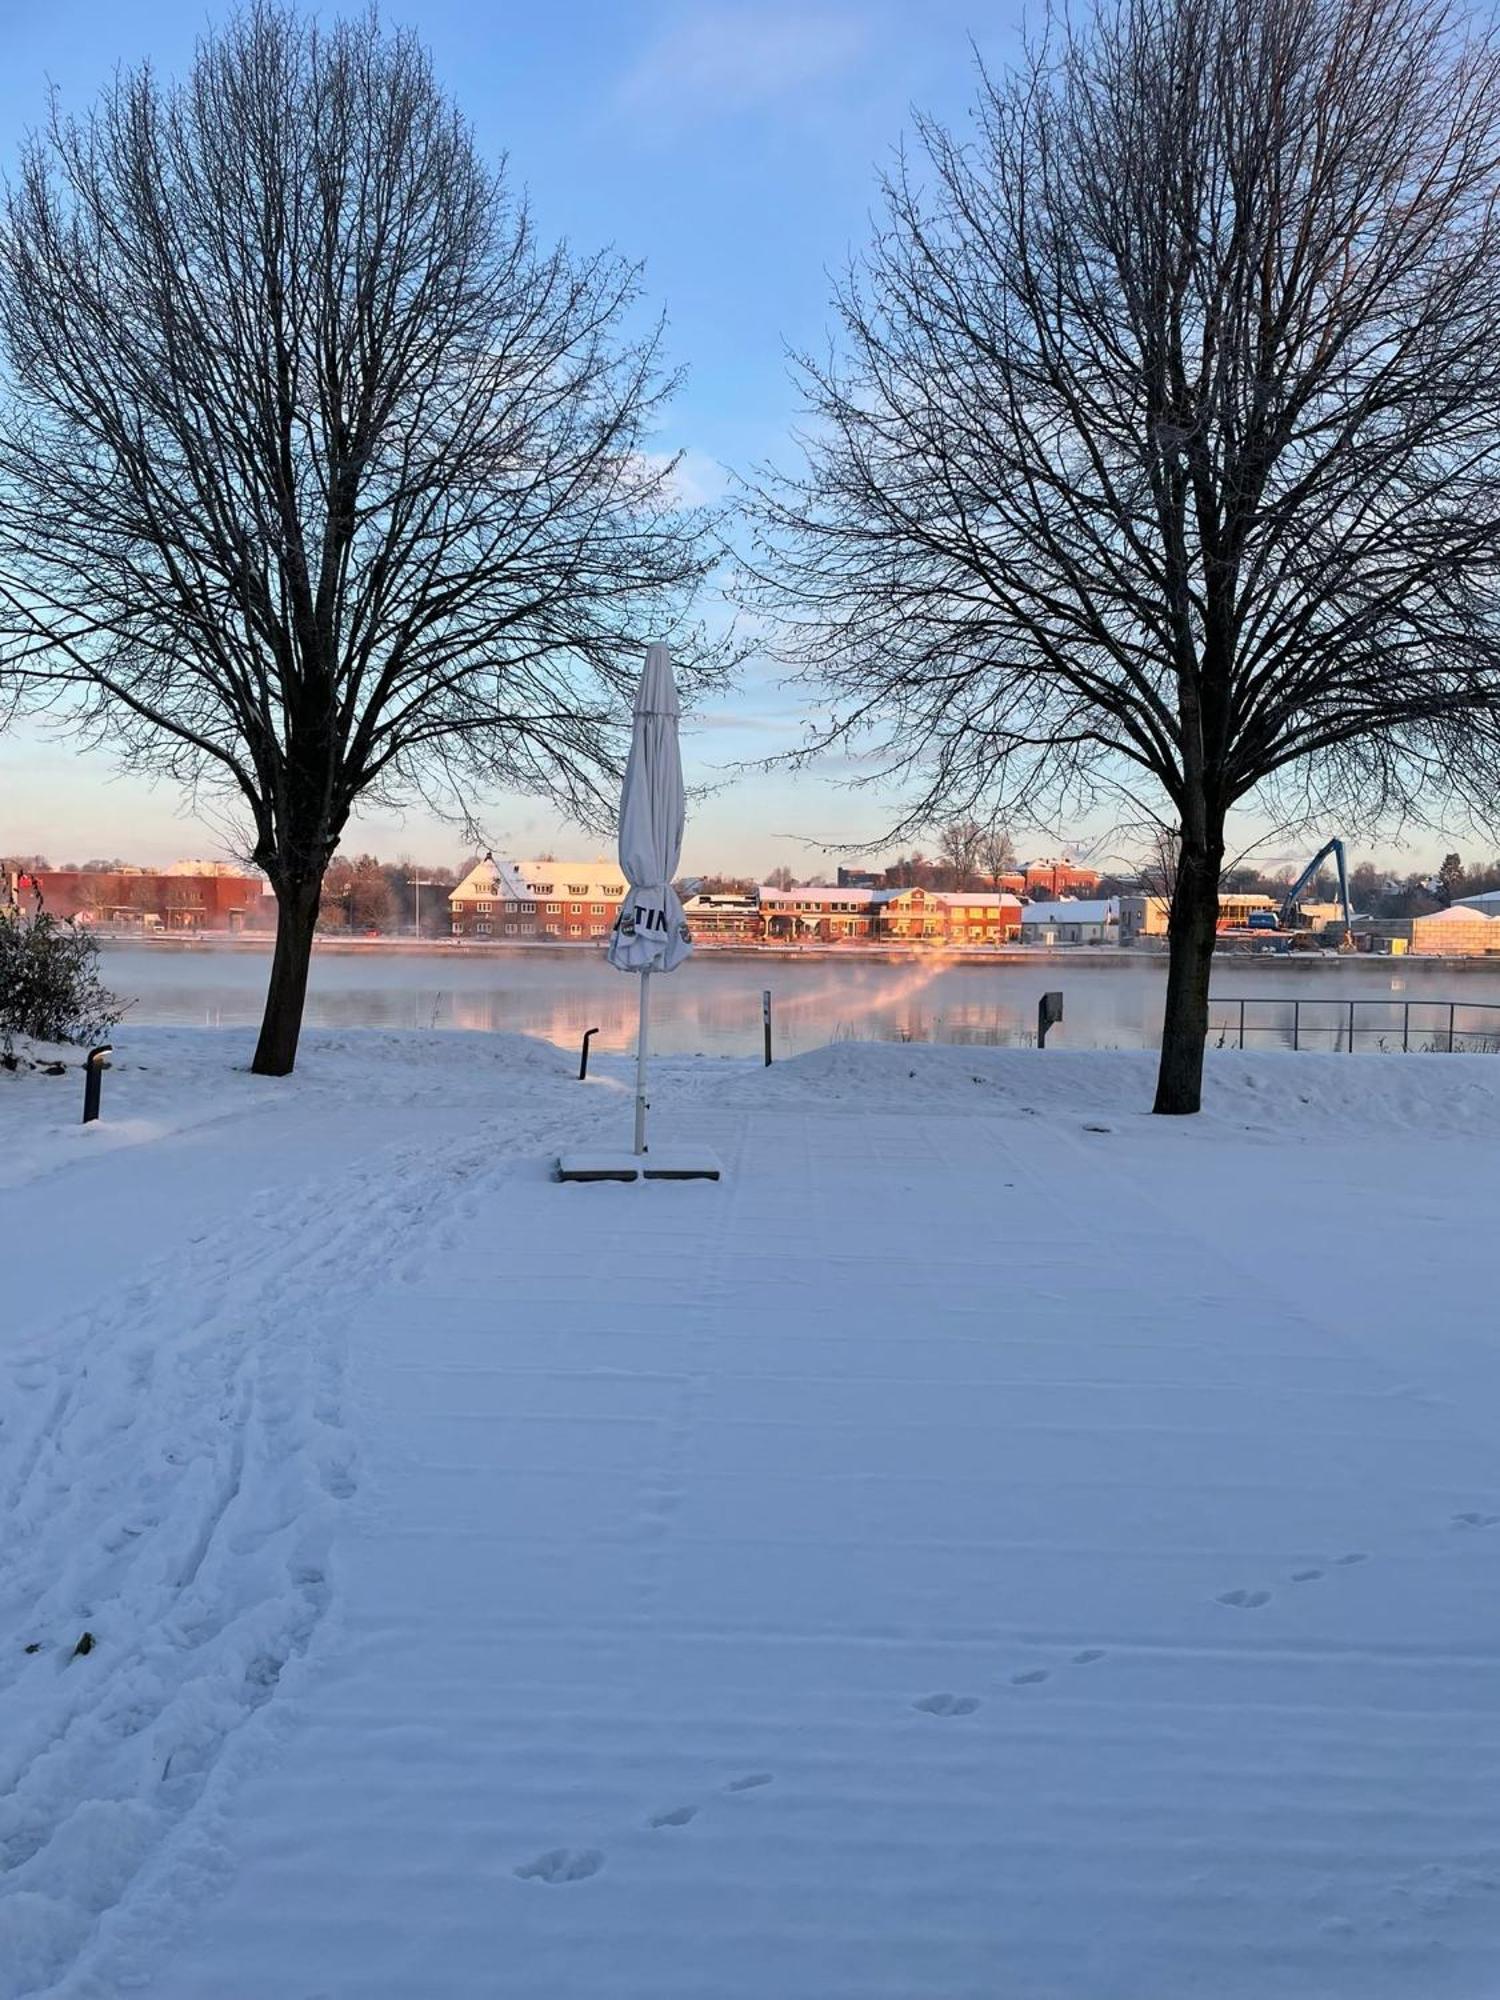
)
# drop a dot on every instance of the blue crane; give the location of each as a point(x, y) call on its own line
point(1289, 913)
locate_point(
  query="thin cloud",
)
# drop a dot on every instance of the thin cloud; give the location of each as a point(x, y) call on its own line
point(720, 59)
point(696, 480)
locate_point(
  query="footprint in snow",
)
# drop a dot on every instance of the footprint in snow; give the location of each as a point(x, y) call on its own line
point(1472, 1520)
point(678, 1816)
point(1356, 1556)
point(562, 1864)
point(1088, 1656)
point(1246, 1600)
point(947, 1704)
point(749, 1783)
point(1306, 1575)
point(1029, 1678)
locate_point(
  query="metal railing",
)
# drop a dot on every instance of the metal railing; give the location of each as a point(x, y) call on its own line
point(1344, 1025)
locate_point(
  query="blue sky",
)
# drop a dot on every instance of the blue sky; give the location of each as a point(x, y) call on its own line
point(733, 147)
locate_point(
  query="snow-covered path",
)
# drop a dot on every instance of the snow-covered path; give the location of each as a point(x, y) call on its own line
point(923, 1564)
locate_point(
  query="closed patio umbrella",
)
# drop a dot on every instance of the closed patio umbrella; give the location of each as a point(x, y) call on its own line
point(650, 934)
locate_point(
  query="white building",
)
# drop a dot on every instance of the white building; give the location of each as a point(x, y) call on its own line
point(1069, 922)
point(566, 901)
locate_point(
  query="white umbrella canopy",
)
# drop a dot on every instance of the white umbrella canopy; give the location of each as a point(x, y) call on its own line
point(650, 934)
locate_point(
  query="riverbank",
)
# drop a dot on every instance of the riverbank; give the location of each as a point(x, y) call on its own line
point(989, 1529)
point(1150, 953)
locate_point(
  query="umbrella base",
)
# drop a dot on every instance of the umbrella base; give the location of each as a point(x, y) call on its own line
point(675, 1164)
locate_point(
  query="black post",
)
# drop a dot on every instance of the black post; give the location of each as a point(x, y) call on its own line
point(1351, 1027)
point(1048, 1014)
point(765, 1017)
point(1452, 1011)
point(93, 1077)
point(1405, 1027)
point(1296, 1023)
point(1242, 1024)
point(583, 1053)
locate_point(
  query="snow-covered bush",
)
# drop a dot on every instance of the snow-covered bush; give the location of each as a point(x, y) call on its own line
point(50, 989)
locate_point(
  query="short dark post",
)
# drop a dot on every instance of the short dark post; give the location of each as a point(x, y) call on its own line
point(1048, 1014)
point(93, 1077)
point(765, 1017)
point(583, 1053)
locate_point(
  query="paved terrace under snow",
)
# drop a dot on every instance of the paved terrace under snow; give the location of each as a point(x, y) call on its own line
point(968, 1552)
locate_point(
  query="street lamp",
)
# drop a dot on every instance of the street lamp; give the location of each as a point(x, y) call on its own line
point(419, 885)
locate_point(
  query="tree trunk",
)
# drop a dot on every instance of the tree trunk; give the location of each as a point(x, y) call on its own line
point(1190, 938)
point(281, 1023)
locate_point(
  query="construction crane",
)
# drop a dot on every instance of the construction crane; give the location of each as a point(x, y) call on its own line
point(1289, 915)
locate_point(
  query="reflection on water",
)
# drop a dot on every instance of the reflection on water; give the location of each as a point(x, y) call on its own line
point(712, 1005)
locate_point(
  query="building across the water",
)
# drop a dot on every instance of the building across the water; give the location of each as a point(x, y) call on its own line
point(1071, 922)
point(188, 896)
point(566, 901)
point(814, 912)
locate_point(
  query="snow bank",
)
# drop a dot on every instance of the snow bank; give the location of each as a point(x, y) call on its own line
point(1264, 1093)
point(163, 1081)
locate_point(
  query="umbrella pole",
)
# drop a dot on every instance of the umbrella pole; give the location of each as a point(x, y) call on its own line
point(640, 1063)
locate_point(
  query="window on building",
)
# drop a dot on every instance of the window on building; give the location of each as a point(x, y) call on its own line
point(554, 909)
point(578, 888)
point(541, 888)
point(575, 930)
point(528, 909)
point(598, 910)
point(483, 929)
point(483, 909)
point(577, 910)
point(510, 930)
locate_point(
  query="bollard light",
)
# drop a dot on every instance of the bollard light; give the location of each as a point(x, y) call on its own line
point(93, 1078)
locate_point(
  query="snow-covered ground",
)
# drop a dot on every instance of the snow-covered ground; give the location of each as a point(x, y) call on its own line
point(993, 1543)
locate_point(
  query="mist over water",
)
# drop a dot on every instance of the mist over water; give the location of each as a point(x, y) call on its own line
point(711, 1006)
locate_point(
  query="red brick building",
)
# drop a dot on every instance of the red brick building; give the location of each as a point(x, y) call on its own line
point(141, 899)
point(1050, 880)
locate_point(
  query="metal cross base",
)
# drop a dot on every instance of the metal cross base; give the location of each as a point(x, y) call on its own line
point(670, 1165)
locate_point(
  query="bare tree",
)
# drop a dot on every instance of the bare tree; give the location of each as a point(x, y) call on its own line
point(1159, 868)
point(320, 477)
point(997, 855)
point(1160, 451)
point(960, 843)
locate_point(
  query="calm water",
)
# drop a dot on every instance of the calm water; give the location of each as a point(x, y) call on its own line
point(712, 1005)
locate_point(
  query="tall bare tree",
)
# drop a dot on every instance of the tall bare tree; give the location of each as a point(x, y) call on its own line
point(320, 477)
point(961, 843)
point(1160, 451)
point(997, 855)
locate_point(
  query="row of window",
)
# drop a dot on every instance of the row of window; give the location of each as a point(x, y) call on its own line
point(484, 929)
point(575, 888)
point(553, 909)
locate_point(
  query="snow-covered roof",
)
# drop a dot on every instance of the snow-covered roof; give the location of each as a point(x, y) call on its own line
point(523, 881)
point(1487, 903)
point(984, 898)
point(1465, 913)
point(821, 892)
point(1072, 912)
